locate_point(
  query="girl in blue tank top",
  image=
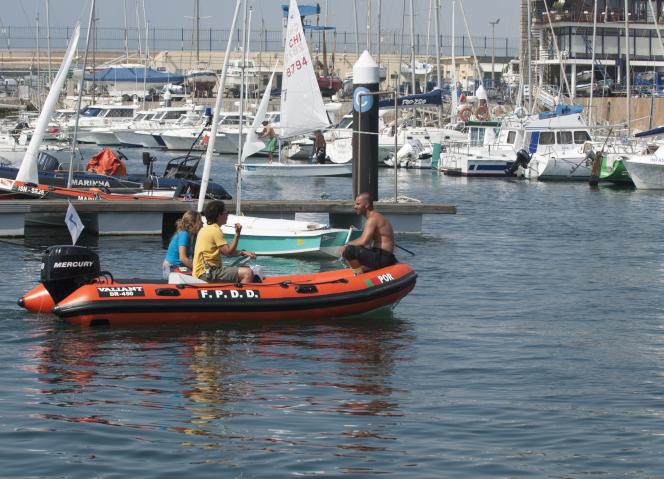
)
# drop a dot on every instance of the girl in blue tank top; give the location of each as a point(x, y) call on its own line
point(181, 248)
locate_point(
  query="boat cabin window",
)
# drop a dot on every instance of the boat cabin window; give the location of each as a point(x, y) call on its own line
point(188, 119)
point(149, 116)
point(120, 113)
point(511, 136)
point(580, 137)
point(547, 138)
point(172, 115)
point(230, 120)
point(564, 137)
point(139, 117)
point(476, 136)
point(346, 122)
point(90, 111)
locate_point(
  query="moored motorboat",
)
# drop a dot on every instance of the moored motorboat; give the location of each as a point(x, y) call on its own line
point(74, 288)
point(612, 169)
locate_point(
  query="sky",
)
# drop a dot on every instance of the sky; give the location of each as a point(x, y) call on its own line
point(218, 14)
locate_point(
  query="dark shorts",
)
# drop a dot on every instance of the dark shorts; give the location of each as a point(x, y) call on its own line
point(372, 258)
point(226, 274)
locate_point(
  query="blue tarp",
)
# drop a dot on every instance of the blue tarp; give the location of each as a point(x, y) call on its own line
point(432, 98)
point(133, 74)
point(561, 110)
point(655, 131)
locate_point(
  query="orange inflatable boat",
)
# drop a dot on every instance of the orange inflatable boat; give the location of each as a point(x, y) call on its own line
point(75, 289)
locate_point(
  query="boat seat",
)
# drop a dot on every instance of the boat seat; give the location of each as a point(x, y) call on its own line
point(181, 278)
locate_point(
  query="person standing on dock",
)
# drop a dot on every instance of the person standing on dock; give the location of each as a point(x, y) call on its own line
point(211, 245)
point(271, 137)
point(375, 248)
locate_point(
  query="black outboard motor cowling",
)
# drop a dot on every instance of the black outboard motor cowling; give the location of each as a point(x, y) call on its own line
point(66, 268)
point(522, 160)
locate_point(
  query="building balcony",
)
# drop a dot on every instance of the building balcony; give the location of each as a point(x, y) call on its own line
point(586, 16)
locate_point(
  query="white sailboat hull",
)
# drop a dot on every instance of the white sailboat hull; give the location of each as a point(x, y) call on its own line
point(479, 162)
point(340, 150)
point(647, 172)
point(552, 167)
point(103, 136)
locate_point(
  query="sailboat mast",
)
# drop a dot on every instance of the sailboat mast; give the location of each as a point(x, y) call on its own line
point(530, 69)
point(403, 29)
point(478, 71)
point(412, 46)
point(592, 66)
point(39, 100)
point(380, 7)
point(325, 68)
point(438, 76)
point(138, 28)
point(147, 54)
point(126, 33)
point(74, 140)
point(453, 90)
point(628, 81)
point(94, 51)
point(197, 20)
point(357, 30)
point(368, 48)
point(48, 42)
point(245, 47)
point(207, 165)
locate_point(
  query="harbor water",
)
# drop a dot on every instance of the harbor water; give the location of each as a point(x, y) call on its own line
point(532, 346)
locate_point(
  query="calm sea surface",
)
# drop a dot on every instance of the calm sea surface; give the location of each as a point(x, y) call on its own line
point(532, 346)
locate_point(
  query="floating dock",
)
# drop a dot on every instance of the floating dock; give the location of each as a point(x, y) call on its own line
point(155, 217)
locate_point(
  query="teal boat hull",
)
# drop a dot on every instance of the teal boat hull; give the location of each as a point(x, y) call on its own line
point(325, 244)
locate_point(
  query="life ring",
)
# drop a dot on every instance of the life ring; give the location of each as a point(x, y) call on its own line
point(482, 113)
point(465, 114)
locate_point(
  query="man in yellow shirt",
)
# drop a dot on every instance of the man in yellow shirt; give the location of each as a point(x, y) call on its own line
point(211, 244)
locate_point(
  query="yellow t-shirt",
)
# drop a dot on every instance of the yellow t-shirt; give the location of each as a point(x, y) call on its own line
point(209, 240)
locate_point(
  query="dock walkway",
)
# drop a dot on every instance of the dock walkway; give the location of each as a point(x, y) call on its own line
point(154, 217)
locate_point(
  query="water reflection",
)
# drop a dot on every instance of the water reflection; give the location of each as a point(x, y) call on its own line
point(214, 382)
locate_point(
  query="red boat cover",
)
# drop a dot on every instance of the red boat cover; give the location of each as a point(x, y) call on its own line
point(106, 163)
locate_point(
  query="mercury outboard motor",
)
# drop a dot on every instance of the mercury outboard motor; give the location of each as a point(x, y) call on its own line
point(64, 269)
point(522, 160)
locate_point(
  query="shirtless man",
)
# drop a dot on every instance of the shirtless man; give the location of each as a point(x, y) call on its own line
point(271, 137)
point(319, 147)
point(375, 248)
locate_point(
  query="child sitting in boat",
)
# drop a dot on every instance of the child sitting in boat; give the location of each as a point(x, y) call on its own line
point(211, 245)
point(181, 248)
